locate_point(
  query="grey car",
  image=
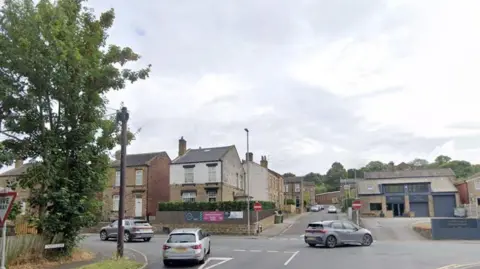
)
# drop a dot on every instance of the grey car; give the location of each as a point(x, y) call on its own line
point(133, 230)
point(332, 233)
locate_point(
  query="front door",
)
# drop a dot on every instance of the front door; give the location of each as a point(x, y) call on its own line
point(138, 206)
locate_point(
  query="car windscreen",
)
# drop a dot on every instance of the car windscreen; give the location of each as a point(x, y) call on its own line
point(141, 223)
point(182, 238)
point(315, 226)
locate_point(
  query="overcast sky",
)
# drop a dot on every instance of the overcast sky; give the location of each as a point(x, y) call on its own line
point(315, 81)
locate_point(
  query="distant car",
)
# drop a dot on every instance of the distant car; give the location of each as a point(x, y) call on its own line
point(332, 233)
point(186, 245)
point(332, 209)
point(321, 207)
point(133, 230)
point(315, 208)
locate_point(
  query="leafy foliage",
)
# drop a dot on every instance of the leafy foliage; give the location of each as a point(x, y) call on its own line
point(211, 206)
point(55, 69)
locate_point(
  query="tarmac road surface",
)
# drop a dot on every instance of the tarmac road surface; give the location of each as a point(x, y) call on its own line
point(289, 251)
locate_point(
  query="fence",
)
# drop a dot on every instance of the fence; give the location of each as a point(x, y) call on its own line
point(455, 229)
point(23, 228)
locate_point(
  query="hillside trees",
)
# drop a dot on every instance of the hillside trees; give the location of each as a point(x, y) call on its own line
point(55, 70)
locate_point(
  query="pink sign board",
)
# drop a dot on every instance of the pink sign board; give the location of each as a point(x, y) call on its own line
point(213, 216)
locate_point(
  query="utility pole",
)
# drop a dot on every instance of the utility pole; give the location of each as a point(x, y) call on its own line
point(122, 116)
point(302, 201)
point(247, 180)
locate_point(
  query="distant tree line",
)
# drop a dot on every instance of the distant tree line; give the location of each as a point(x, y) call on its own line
point(330, 181)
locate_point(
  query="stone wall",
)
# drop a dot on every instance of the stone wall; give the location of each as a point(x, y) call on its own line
point(424, 229)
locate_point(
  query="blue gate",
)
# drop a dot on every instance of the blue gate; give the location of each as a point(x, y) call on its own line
point(420, 209)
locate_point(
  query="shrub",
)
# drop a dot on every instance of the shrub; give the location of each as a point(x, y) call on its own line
point(212, 206)
point(290, 202)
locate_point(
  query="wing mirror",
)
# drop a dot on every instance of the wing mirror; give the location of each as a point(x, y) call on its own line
point(207, 234)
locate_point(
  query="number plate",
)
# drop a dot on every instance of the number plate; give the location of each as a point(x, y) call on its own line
point(180, 249)
point(310, 238)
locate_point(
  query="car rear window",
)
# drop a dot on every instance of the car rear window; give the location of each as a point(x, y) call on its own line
point(315, 226)
point(141, 223)
point(182, 238)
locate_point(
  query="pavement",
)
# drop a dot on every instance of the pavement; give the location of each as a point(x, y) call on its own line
point(287, 250)
point(398, 229)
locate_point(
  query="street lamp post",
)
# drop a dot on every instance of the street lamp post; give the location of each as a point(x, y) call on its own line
point(247, 180)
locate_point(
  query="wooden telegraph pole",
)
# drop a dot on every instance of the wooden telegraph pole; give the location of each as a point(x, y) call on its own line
point(122, 116)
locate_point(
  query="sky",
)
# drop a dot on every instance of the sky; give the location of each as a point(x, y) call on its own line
point(314, 81)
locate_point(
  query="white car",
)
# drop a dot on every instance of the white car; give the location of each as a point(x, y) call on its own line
point(332, 209)
point(186, 245)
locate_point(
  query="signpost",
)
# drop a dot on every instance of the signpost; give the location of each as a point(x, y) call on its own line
point(356, 205)
point(257, 207)
point(6, 202)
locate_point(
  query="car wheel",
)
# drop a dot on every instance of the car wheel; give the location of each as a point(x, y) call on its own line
point(147, 239)
point(127, 237)
point(202, 261)
point(331, 241)
point(367, 240)
point(103, 235)
point(208, 249)
point(312, 245)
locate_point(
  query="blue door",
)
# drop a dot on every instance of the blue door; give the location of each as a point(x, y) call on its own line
point(420, 209)
point(444, 205)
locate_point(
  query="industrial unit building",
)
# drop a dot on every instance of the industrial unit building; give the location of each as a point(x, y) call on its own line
point(419, 193)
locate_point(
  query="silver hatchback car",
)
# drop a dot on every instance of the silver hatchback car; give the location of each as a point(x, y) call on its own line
point(336, 232)
point(186, 245)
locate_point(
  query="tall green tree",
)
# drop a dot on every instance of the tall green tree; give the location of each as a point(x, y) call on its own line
point(55, 69)
point(334, 174)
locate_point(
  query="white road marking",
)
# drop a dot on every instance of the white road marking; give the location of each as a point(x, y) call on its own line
point(291, 258)
point(222, 260)
point(255, 250)
point(272, 251)
point(240, 250)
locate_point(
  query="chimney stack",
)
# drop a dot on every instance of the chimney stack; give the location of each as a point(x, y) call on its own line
point(18, 163)
point(264, 162)
point(249, 156)
point(182, 146)
point(118, 154)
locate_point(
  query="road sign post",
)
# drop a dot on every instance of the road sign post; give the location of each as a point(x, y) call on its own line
point(6, 202)
point(257, 207)
point(357, 204)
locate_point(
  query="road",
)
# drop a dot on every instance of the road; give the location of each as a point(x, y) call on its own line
point(289, 251)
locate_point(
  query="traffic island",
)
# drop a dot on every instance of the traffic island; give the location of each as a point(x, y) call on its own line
point(424, 229)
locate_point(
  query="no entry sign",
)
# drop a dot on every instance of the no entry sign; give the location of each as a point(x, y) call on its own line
point(257, 206)
point(357, 204)
point(6, 203)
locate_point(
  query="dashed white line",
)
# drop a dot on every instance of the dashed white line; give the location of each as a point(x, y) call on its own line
point(239, 250)
point(255, 250)
point(272, 251)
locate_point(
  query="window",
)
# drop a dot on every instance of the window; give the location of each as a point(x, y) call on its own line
point(297, 187)
point(212, 173)
point(286, 187)
point(477, 184)
point(348, 226)
point(394, 188)
point(337, 225)
point(478, 201)
point(115, 202)
point(375, 206)
point(212, 196)
point(182, 238)
point(189, 175)
point(242, 184)
point(23, 208)
point(117, 179)
point(415, 188)
point(238, 182)
point(138, 177)
point(189, 197)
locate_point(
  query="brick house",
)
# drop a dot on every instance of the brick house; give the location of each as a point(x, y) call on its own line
point(206, 174)
point(293, 185)
point(147, 180)
point(328, 198)
point(276, 185)
point(8, 178)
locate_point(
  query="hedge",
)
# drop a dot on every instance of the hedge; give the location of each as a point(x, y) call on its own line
point(289, 202)
point(212, 206)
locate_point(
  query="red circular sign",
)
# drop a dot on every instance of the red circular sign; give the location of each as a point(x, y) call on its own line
point(257, 206)
point(357, 204)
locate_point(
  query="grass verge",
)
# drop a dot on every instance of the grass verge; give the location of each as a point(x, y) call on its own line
point(114, 264)
point(78, 255)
